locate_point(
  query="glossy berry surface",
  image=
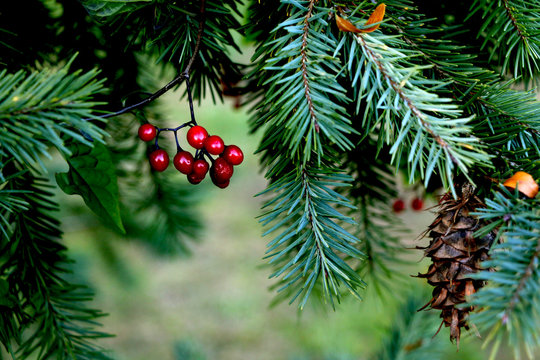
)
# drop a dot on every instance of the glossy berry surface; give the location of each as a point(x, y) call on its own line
point(214, 145)
point(147, 132)
point(196, 136)
point(417, 204)
point(221, 185)
point(183, 162)
point(200, 168)
point(221, 170)
point(233, 155)
point(159, 159)
point(398, 205)
point(194, 179)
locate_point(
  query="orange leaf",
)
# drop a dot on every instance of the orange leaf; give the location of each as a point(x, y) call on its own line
point(524, 182)
point(376, 16)
point(346, 25)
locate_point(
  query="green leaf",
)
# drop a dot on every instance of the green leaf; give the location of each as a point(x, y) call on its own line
point(104, 8)
point(92, 175)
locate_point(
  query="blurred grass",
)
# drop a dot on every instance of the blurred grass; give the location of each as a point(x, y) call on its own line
point(215, 304)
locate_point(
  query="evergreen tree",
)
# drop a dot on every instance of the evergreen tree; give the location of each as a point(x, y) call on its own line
point(346, 95)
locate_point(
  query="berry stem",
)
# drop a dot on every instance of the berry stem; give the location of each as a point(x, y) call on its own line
point(190, 99)
point(178, 147)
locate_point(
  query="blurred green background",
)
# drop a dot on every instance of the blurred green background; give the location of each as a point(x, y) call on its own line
point(215, 303)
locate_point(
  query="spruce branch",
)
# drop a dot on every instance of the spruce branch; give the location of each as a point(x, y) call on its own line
point(511, 29)
point(306, 254)
point(46, 108)
point(421, 126)
point(47, 314)
point(510, 303)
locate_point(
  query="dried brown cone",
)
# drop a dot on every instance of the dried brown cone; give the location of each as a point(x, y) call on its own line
point(456, 254)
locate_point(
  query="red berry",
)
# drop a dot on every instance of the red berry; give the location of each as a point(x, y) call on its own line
point(398, 205)
point(222, 170)
point(233, 155)
point(147, 132)
point(159, 159)
point(214, 145)
point(222, 185)
point(194, 179)
point(183, 162)
point(417, 204)
point(196, 136)
point(200, 168)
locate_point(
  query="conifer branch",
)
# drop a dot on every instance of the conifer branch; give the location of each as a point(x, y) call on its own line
point(513, 19)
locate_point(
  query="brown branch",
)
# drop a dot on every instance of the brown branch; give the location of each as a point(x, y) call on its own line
point(514, 21)
point(304, 66)
point(522, 282)
point(178, 80)
point(406, 100)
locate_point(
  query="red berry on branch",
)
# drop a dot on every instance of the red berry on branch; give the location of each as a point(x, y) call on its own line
point(147, 132)
point(194, 179)
point(233, 155)
point(159, 159)
point(417, 204)
point(200, 168)
point(183, 162)
point(398, 205)
point(196, 136)
point(221, 170)
point(214, 145)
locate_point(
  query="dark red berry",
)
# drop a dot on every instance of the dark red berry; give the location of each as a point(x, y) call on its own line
point(398, 205)
point(194, 179)
point(200, 168)
point(222, 170)
point(183, 162)
point(222, 185)
point(214, 145)
point(233, 155)
point(147, 132)
point(196, 136)
point(159, 159)
point(417, 204)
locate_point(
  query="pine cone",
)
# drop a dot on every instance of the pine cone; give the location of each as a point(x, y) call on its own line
point(456, 254)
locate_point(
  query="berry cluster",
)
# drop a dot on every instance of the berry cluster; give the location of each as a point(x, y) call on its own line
point(195, 166)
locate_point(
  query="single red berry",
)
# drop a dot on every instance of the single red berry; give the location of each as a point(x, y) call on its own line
point(194, 179)
point(222, 185)
point(159, 159)
point(200, 168)
point(183, 162)
point(147, 132)
point(417, 204)
point(196, 136)
point(233, 155)
point(221, 170)
point(214, 145)
point(398, 205)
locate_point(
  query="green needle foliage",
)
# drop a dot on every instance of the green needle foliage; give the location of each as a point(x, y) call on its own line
point(43, 314)
point(340, 114)
point(45, 108)
point(510, 31)
point(510, 305)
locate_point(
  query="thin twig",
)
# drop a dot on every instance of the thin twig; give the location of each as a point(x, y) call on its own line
point(514, 21)
point(304, 66)
point(178, 80)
